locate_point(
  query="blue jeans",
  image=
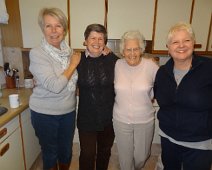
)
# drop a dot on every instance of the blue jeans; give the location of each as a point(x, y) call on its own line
point(55, 134)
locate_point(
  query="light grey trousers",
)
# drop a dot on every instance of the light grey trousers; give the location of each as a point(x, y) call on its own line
point(133, 143)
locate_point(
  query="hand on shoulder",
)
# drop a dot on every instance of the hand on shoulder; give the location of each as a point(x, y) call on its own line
point(75, 59)
point(106, 50)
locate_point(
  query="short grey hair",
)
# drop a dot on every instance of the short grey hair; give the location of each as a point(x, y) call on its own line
point(56, 13)
point(132, 35)
point(177, 27)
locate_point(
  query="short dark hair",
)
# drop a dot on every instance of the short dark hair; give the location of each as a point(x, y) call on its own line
point(97, 28)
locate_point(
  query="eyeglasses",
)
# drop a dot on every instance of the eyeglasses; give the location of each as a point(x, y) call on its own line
point(131, 50)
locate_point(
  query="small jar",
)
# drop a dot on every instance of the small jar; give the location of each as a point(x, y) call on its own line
point(10, 82)
point(28, 83)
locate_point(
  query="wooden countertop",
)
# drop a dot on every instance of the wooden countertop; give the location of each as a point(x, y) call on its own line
point(24, 95)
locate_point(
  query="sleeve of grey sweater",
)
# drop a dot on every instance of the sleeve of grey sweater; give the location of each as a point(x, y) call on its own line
point(47, 72)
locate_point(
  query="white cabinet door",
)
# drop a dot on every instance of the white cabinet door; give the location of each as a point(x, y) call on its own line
point(169, 12)
point(83, 13)
point(125, 15)
point(201, 22)
point(31, 144)
point(11, 157)
point(29, 10)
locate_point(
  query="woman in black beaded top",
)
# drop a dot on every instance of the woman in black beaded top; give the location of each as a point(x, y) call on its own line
point(96, 99)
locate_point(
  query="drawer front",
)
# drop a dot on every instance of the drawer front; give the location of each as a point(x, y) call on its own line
point(8, 128)
point(11, 155)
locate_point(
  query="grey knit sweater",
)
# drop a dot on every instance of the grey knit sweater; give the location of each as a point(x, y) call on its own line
point(50, 94)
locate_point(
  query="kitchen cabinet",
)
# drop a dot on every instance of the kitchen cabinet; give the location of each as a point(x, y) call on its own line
point(11, 151)
point(29, 10)
point(30, 141)
point(17, 131)
point(124, 15)
point(201, 22)
point(197, 12)
point(83, 13)
point(168, 13)
point(11, 32)
point(152, 17)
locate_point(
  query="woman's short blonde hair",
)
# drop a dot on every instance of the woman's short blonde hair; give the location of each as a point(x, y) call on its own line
point(56, 13)
point(180, 26)
point(132, 35)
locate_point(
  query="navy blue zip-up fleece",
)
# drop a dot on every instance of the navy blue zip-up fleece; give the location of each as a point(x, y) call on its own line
point(185, 112)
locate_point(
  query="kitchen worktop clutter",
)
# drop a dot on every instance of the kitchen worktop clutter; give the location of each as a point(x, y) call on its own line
point(11, 76)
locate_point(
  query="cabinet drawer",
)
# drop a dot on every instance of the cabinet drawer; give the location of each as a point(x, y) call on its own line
point(8, 128)
point(11, 152)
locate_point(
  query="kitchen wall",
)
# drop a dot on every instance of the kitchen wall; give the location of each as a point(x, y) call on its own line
point(13, 55)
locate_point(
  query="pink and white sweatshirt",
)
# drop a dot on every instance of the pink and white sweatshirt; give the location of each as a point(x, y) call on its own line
point(134, 91)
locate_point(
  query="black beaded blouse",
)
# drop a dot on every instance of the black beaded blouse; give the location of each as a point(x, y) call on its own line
point(96, 91)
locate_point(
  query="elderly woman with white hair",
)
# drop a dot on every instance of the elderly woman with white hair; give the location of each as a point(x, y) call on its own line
point(133, 112)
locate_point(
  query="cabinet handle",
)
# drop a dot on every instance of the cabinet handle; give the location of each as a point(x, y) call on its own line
point(197, 46)
point(4, 149)
point(3, 132)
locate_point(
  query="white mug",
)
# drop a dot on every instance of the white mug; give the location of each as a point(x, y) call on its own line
point(14, 100)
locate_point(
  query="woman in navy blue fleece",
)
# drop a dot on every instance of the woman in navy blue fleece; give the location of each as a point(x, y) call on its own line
point(183, 89)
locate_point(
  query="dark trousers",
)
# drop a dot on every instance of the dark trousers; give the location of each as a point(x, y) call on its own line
point(55, 134)
point(95, 149)
point(174, 156)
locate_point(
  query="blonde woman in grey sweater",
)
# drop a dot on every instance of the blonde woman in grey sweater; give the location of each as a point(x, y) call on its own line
point(53, 100)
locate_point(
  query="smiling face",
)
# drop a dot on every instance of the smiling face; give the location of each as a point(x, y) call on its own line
point(53, 31)
point(95, 43)
point(132, 52)
point(181, 46)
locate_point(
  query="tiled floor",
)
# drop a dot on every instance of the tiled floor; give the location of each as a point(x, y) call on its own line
point(114, 164)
